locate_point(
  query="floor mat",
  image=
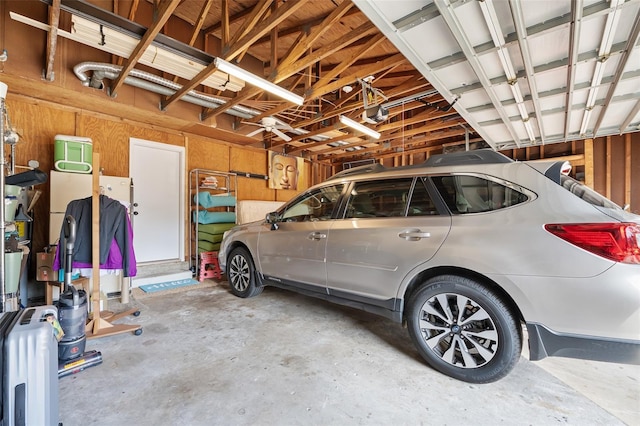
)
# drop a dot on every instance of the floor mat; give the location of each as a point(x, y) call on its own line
point(169, 285)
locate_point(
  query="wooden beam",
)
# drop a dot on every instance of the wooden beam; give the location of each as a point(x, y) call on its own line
point(198, 26)
point(311, 37)
point(329, 49)
point(52, 39)
point(607, 189)
point(417, 146)
point(627, 169)
point(237, 46)
point(303, 26)
point(232, 51)
point(274, 41)
point(425, 129)
point(284, 71)
point(281, 73)
point(310, 145)
point(164, 12)
point(422, 117)
point(231, 20)
point(257, 13)
point(330, 75)
point(341, 110)
point(131, 17)
point(574, 159)
point(200, 21)
point(317, 91)
point(225, 34)
point(588, 163)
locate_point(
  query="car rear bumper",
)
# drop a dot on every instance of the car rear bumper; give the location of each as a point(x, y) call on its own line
point(544, 342)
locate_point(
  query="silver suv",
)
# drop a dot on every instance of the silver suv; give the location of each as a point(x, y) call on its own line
point(464, 248)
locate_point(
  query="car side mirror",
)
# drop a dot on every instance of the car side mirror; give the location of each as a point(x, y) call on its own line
point(272, 218)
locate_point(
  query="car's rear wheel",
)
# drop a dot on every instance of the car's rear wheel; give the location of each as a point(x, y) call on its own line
point(463, 329)
point(241, 274)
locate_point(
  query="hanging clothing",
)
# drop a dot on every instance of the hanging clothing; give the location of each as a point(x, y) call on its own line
point(116, 236)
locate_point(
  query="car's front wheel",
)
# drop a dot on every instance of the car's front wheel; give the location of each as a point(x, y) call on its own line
point(463, 329)
point(241, 274)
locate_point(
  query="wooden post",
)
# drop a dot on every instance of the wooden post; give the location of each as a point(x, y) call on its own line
point(98, 326)
point(588, 163)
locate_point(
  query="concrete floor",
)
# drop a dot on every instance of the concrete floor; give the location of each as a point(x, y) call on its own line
point(206, 357)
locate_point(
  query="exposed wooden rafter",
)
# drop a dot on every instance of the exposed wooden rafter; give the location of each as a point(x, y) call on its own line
point(164, 11)
point(52, 39)
point(312, 48)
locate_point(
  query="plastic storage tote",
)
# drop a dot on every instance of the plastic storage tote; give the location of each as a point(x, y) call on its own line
point(73, 154)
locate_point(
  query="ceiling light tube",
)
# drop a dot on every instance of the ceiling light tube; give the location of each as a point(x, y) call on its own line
point(505, 60)
point(490, 16)
point(359, 127)
point(529, 129)
point(517, 95)
point(524, 114)
point(493, 24)
point(585, 122)
point(610, 28)
point(254, 80)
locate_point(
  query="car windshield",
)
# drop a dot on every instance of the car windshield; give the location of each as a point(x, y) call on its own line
point(586, 193)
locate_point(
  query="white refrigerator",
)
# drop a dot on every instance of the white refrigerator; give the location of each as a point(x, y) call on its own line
point(66, 187)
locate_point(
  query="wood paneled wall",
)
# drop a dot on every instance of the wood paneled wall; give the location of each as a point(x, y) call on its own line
point(39, 122)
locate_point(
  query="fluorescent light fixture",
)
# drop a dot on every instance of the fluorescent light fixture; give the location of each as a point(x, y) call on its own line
point(517, 96)
point(505, 59)
point(115, 42)
point(595, 82)
point(254, 80)
point(359, 127)
point(585, 122)
point(610, 28)
point(529, 129)
point(493, 24)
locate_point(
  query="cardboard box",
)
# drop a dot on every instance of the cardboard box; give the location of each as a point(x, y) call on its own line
point(44, 267)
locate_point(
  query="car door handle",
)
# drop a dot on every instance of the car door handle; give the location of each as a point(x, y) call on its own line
point(414, 235)
point(317, 236)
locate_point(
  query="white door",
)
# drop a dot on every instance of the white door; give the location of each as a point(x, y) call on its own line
point(157, 172)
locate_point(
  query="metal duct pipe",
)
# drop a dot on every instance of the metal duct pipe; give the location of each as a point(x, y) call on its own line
point(153, 83)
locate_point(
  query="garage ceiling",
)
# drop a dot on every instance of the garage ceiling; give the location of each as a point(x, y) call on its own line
point(525, 72)
point(448, 73)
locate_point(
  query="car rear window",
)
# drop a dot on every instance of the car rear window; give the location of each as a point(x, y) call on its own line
point(474, 194)
point(587, 194)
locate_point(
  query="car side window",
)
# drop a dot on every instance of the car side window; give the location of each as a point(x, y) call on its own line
point(381, 198)
point(473, 194)
point(316, 205)
point(421, 203)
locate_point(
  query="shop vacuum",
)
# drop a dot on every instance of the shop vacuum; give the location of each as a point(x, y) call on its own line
point(72, 315)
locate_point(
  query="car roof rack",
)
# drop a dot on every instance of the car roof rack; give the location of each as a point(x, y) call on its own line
point(479, 156)
point(368, 168)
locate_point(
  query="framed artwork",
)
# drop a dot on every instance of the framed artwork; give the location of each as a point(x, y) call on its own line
point(284, 170)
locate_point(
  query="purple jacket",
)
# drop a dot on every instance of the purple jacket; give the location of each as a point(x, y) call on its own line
point(116, 237)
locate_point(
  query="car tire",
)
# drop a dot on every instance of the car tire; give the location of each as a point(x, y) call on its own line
point(481, 344)
point(241, 274)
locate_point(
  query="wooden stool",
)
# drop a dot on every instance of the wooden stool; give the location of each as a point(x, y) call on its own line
point(209, 266)
point(81, 283)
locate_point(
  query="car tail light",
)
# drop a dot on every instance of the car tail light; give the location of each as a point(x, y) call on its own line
point(619, 242)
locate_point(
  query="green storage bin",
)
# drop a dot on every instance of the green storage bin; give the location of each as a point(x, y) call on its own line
point(73, 154)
